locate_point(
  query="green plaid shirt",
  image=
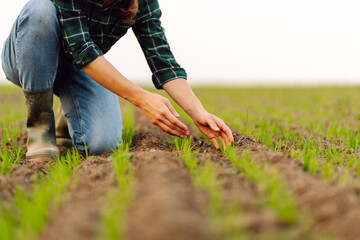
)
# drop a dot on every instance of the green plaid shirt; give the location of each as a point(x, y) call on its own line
point(89, 33)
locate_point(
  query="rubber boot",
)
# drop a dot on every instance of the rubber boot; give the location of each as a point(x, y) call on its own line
point(40, 124)
point(61, 130)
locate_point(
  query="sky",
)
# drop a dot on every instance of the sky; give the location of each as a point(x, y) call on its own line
point(246, 42)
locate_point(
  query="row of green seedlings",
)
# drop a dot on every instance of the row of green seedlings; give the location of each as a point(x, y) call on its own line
point(309, 151)
point(288, 140)
point(318, 157)
point(118, 202)
point(10, 151)
point(316, 120)
point(25, 217)
point(285, 139)
point(273, 193)
point(308, 108)
point(226, 217)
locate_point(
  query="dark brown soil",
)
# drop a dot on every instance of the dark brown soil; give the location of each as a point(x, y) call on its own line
point(334, 206)
point(236, 189)
point(168, 206)
point(165, 205)
point(22, 175)
point(79, 218)
point(160, 172)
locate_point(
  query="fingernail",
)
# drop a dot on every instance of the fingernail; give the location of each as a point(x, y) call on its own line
point(177, 115)
point(217, 129)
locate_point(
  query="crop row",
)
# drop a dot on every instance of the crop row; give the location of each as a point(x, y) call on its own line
point(227, 217)
point(26, 216)
point(323, 144)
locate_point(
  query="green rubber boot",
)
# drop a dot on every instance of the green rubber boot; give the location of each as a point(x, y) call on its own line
point(41, 142)
point(61, 130)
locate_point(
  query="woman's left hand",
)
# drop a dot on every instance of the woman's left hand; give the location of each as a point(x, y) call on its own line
point(214, 128)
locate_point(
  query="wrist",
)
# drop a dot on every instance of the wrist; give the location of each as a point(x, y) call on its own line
point(194, 109)
point(137, 96)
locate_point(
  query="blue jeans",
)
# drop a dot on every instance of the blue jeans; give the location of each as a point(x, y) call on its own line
point(33, 59)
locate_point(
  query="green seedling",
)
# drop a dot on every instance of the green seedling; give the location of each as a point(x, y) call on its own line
point(113, 218)
point(226, 218)
point(185, 151)
point(273, 192)
point(10, 158)
point(27, 216)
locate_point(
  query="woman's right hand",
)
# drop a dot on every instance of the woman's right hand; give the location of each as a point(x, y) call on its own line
point(162, 114)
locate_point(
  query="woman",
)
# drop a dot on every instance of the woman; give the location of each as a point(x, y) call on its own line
point(57, 47)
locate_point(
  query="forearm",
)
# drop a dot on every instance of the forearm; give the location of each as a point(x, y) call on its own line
point(107, 76)
point(180, 91)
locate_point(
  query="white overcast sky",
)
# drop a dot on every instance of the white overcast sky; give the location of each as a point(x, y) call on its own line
point(246, 41)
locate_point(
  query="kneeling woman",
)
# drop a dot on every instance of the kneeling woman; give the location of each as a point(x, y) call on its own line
point(57, 46)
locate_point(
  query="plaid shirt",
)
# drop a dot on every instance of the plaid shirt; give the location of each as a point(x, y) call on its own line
point(91, 32)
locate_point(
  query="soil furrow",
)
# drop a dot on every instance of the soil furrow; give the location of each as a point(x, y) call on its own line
point(236, 189)
point(334, 206)
point(165, 205)
point(80, 217)
point(22, 175)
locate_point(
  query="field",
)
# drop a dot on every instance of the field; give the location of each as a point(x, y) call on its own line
point(292, 173)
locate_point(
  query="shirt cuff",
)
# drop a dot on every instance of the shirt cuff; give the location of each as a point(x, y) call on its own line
point(163, 76)
point(86, 55)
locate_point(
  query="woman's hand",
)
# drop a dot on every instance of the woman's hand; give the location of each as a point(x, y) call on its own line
point(162, 114)
point(213, 127)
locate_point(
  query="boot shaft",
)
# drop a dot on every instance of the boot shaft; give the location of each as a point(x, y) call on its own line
point(39, 107)
point(40, 125)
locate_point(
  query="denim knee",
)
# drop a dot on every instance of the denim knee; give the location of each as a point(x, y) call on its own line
point(41, 16)
point(101, 143)
point(37, 45)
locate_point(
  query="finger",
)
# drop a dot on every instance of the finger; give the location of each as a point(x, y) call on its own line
point(224, 127)
point(213, 125)
point(168, 130)
point(225, 139)
point(174, 127)
point(176, 122)
point(216, 144)
point(228, 141)
point(171, 108)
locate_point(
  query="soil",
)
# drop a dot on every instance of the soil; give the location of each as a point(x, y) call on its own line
point(79, 217)
point(168, 206)
point(162, 176)
point(334, 206)
point(23, 175)
point(165, 205)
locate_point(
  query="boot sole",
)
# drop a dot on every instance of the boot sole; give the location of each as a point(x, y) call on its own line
point(44, 153)
point(42, 159)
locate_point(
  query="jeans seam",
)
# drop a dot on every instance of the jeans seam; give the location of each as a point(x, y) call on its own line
point(78, 115)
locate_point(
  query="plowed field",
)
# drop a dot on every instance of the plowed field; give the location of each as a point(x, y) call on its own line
point(293, 173)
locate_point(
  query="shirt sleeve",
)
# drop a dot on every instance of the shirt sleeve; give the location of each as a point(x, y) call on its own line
point(151, 37)
point(76, 40)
